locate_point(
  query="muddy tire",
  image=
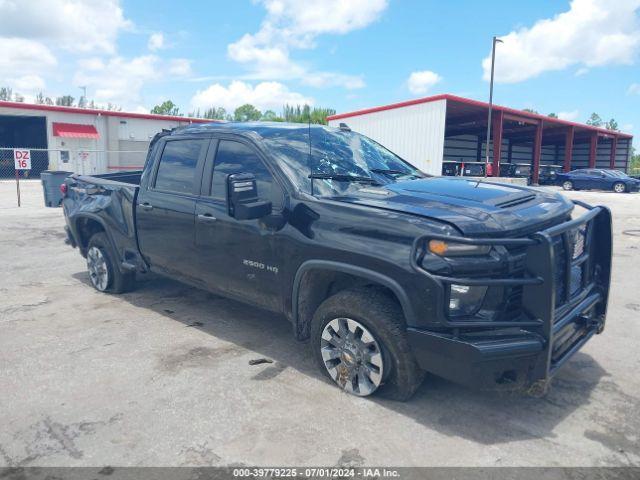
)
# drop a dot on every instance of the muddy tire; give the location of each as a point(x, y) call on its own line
point(104, 274)
point(373, 318)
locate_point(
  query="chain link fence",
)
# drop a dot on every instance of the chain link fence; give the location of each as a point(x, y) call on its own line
point(82, 161)
point(26, 179)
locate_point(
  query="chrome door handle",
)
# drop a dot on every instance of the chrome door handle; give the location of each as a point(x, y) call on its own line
point(206, 217)
point(146, 206)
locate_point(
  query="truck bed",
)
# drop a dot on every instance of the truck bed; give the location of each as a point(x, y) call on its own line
point(110, 200)
point(132, 177)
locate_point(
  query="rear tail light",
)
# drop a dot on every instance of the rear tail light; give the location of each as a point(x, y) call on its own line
point(63, 189)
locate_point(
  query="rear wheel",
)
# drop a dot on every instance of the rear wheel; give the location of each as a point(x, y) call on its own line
point(567, 185)
point(359, 340)
point(104, 274)
point(619, 187)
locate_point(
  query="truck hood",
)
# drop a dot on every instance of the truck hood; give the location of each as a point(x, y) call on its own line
point(475, 208)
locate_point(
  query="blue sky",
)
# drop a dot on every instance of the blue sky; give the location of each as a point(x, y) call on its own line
point(565, 57)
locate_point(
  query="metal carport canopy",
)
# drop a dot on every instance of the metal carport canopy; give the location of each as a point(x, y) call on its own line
point(475, 112)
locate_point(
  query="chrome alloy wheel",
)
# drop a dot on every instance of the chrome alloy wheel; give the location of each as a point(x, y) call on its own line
point(619, 188)
point(567, 185)
point(352, 356)
point(97, 265)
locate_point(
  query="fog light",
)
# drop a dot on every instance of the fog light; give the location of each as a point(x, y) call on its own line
point(465, 299)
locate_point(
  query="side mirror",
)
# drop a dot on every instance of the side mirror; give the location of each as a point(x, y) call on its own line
point(242, 195)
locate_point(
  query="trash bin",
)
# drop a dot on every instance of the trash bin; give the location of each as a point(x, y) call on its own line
point(51, 181)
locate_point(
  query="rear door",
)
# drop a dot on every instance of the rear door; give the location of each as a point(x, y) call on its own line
point(238, 257)
point(166, 208)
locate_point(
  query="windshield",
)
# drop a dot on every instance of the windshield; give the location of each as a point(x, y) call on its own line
point(339, 161)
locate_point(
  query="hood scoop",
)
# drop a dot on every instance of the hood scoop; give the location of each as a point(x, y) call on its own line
point(511, 200)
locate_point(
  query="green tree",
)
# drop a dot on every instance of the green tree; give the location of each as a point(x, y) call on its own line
point(48, 101)
point(65, 101)
point(530, 110)
point(246, 113)
point(269, 116)
point(166, 108)
point(40, 98)
point(304, 114)
point(594, 120)
point(552, 115)
point(6, 94)
point(214, 113)
point(612, 125)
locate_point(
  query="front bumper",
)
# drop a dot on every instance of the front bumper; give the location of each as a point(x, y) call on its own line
point(507, 357)
point(557, 321)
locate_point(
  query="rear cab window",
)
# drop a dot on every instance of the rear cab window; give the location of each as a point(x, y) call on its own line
point(177, 169)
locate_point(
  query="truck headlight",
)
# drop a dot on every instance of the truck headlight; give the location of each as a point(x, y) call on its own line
point(452, 249)
point(465, 300)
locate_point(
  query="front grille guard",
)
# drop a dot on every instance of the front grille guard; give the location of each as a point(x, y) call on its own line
point(539, 282)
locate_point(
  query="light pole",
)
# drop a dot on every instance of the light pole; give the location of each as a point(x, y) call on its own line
point(493, 63)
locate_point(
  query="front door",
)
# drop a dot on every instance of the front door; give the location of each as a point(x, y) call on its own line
point(166, 208)
point(581, 179)
point(238, 257)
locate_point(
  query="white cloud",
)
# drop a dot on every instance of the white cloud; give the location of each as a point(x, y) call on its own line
point(291, 25)
point(572, 116)
point(264, 95)
point(592, 33)
point(119, 80)
point(75, 25)
point(634, 89)
point(421, 82)
point(23, 64)
point(156, 42)
point(22, 57)
point(28, 84)
point(180, 67)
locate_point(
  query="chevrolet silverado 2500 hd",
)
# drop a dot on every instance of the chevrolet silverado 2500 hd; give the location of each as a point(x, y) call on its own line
point(385, 271)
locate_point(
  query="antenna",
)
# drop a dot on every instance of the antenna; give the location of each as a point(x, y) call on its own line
point(310, 161)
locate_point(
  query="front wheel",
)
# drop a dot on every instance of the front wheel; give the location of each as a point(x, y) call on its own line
point(104, 274)
point(567, 185)
point(619, 187)
point(359, 340)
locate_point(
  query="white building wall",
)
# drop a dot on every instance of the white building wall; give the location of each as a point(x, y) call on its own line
point(415, 132)
point(94, 156)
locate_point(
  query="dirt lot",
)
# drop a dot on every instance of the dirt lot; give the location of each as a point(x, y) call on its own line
point(161, 376)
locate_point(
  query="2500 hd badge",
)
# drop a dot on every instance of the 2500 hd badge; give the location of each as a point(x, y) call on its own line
point(386, 272)
point(260, 266)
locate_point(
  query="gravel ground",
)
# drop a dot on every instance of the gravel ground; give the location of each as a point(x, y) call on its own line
point(161, 376)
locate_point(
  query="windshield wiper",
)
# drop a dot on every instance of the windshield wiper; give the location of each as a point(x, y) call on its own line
point(389, 171)
point(400, 173)
point(343, 178)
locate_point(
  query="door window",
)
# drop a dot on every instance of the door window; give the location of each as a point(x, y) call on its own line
point(177, 169)
point(235, 157)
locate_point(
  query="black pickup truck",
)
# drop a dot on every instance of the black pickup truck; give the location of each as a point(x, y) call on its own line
point(385, 271)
